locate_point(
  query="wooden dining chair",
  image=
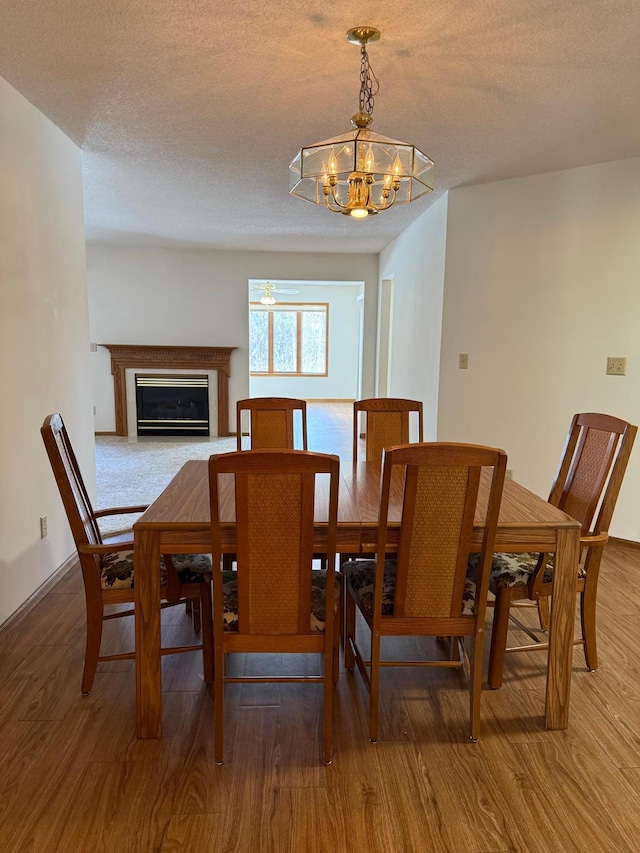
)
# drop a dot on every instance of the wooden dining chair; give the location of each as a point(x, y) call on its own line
point(107, 563)
point(432, 490)
point(385, 424)
point(271, 426)
point(586, 486)
point(274, 602)
point(271, 422)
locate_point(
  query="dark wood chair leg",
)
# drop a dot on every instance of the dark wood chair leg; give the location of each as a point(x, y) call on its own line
point(475, 686)
point(197, 615)
point(327, 709)
point(374, 692)
point(499, 637)
point(92, 649)
point(349, 627)
point(543, 612)
point(218, 680)
point(207, 632)
point(588, 619)
point(337, 633)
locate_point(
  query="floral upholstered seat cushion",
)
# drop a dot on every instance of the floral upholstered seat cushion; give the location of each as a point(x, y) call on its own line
point(116, 569)
point(360, 574)
point(318, 599)
point(511, 570)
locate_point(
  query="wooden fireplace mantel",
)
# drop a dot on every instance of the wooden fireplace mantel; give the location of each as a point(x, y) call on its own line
point(142, 357)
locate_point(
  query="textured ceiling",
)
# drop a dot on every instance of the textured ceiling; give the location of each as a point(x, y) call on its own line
point(188, 113)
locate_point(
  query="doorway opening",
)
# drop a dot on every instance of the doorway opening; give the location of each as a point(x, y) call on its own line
point(306, 339)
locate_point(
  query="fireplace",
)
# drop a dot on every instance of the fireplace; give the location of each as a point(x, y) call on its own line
point(172, 405)
point(129, 359)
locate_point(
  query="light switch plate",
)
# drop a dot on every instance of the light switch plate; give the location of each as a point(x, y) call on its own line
point(616, 366)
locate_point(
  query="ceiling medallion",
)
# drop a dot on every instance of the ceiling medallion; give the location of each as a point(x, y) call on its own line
point(361, 172)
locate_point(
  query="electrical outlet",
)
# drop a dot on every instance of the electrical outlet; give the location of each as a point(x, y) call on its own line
point(509, 474)
point(43, 526)
point(94, 411)
point(93, 347)
point(463, 361)
point(616, 366)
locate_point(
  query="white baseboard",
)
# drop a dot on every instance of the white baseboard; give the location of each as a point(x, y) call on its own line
point(36, 597)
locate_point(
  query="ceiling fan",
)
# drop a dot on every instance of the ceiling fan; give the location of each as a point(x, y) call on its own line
point(268, 290)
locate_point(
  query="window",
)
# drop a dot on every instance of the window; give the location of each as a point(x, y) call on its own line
point(288, 340)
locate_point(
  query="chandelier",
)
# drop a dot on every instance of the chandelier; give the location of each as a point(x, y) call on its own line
point(361, 172)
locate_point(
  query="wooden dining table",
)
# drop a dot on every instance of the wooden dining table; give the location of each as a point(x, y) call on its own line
point(178, 521)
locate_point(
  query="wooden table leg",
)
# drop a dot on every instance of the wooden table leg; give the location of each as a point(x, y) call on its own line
point(148, 642)
point(562, 627)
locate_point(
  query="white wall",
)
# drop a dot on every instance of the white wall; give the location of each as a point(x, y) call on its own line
point(542, 284)
point(44, 340)
point(199, 297)
point(341, 383)
point(415, 263)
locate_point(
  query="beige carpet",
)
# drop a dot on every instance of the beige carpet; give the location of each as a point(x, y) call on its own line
point(133, 471)
point(130, 472)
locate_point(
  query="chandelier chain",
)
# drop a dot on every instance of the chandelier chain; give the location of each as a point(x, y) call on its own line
point(369, 86)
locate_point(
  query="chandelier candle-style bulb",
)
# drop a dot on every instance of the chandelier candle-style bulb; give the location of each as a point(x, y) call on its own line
point(361, 172)
point(369, 161)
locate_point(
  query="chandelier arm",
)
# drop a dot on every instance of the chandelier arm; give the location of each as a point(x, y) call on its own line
point(336, 200)
point(380, 207)
point(329, 202)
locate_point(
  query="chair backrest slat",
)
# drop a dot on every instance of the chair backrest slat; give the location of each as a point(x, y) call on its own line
point(437, 524)
point(594, 459)
point(274, 509)
point(386, 424)
point(441, 489)
point(75, 498)
point(274, 526)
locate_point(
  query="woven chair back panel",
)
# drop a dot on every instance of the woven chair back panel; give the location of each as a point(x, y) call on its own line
point(273, 554)
point(86, 519)
point(385, 429)
point(269, 430)
point(588, 478)
point(433, 584)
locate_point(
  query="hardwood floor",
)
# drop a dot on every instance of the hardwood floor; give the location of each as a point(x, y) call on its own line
point(73, 777)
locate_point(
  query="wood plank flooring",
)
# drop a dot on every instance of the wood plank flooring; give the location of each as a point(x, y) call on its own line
point(73, 777)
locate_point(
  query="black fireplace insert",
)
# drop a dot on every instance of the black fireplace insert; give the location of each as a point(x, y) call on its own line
point(172, 405)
